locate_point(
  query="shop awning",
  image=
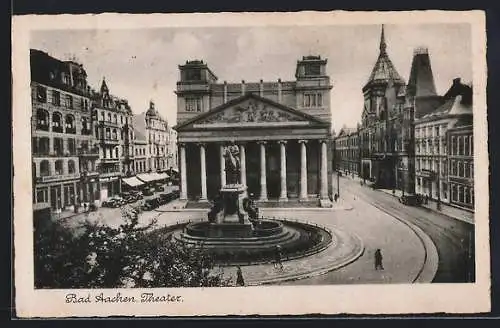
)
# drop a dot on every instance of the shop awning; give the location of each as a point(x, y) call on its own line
point(162, 176)
point(146, 177)
point(133, 181)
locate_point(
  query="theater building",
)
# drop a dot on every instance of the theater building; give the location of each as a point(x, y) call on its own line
point(282, 128)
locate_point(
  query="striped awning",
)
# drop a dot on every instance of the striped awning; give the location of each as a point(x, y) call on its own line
point(133, 181)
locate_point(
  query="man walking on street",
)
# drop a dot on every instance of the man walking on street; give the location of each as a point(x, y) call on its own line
point(378, 260)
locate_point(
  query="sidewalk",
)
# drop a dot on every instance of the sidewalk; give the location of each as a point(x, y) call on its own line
point(451, 211)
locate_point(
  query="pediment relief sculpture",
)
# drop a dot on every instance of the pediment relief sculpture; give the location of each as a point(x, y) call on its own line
point(251, 112)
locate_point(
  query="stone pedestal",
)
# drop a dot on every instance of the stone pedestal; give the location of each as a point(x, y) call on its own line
point(233, 220)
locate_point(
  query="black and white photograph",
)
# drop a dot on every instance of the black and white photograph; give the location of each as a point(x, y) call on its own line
point(250, 156)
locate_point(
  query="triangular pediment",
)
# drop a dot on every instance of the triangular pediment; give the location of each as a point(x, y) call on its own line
point(251, 111)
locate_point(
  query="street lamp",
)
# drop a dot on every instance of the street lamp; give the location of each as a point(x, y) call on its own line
point(438, 205)
point(338, 182)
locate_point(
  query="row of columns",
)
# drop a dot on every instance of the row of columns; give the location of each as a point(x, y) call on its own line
point(263, 177)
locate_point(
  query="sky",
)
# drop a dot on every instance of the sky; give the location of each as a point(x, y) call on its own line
point(142, 64)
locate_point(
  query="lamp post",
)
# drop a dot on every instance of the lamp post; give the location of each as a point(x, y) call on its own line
point(338, 182)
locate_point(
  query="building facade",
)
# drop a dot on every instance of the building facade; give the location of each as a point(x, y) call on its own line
point(154, 129)
point(172, 151)
point(282, 129)
point(141, 150)
point(347, 152)
point(112, 119)
point(63, 150)
point(461, 165)
point(444, 154)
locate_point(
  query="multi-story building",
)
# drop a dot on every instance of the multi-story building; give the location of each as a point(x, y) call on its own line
point(461, 165)
point(63, 152)
point(347, 151)
point(154, 128)
point(141, 149)
point(112, 119)
point(381, 119)
point(387, 129)
point(443, 161)
point(172, 151)
point(282, 130)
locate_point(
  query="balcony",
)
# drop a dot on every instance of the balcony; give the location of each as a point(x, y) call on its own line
point(71, 130)
point(88, 152)
point(42, 127)
point(110, 160)
point(85, 175)
point(110, 141)
point(86, 132)
point(109, 174)
point(61, 177)
point(109, 123)
point(58, 129)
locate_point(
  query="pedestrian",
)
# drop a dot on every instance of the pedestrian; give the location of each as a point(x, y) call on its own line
point(277, 262)
point(239, 277)
point(85, 207)
point(378, 260)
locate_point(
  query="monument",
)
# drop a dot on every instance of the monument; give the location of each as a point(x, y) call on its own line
point(229, 216)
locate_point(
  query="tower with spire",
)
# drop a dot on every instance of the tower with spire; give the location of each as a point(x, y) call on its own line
point(383, 75)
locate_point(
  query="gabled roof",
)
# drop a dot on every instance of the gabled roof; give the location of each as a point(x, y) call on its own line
point(347, 131)
point(250, 96)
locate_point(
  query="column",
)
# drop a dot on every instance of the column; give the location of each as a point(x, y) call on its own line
point(222, 166)
point(183, 195)
point(203, 172)
point(303, 169)
point(263, 177)
point(283, 194)
point(324, 171)
point(243, 165)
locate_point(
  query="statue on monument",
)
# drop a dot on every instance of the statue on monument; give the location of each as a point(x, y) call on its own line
point(231, 154)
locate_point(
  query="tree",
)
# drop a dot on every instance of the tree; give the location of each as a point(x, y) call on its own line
point(100, 256)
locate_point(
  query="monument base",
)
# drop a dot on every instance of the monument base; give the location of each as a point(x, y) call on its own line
point(230, 230)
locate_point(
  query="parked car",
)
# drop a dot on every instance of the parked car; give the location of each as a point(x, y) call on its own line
point(411, 200)
point(148, 205)
point(113, 203)
point(148, 192)
point(159, 188)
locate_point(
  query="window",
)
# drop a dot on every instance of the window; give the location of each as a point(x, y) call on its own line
point(109, 117)
point(41, 94)
point(466, 146)
point(57, 124)
point(460, 146)
point(108, 133)
point(116, 152)
point(115, 137)
point(453, 168)
point(44, 168)
point(69, 101)
point(467, 195)
point(72, 146)
point(466, 170)
point(454, 192)
point(313, 69)
point(102, 116)
point(194, 104)
point(121, 119)
point(460, 169)
point(65, 78)
point(58, 146)
point(42, 195)
point(70, 124)
point(42, 119)
point(436, 131)
point(71, 166)
point(461, 194)
point(313, 100)
point(59, 167)
point(115, 119)
point(44, 146)
point(56, 98)
point(453, 145)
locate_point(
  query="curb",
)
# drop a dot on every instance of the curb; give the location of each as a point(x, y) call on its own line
point(320, 271)
point(431, 258)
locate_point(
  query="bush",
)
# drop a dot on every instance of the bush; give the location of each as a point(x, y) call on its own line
point(100, 256)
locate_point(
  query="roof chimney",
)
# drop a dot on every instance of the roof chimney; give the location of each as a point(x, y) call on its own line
point(225, 91)
point(261, 88)
point(279, 91)
point(243, 87)
point(457, 80)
